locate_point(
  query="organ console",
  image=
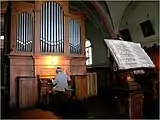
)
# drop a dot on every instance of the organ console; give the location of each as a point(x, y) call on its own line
point(45, 87)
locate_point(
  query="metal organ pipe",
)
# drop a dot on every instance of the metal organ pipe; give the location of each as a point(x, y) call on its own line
point(41, 27)
point(27, 32)
point(51, 27)
point(74, 37)
point(24, 32)
point(54, 45)
point(59, 33)
point(46, 30)
point(51, 24)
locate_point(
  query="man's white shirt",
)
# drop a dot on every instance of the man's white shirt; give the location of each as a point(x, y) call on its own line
point(61, 81)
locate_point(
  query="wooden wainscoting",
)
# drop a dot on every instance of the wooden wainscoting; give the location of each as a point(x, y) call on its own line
point(91, 84)
point(26, 91)
point(81, 87)
point(136, 105)
point(79, 81)
point(85, 85)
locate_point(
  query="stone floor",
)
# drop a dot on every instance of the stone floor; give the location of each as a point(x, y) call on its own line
point(95, 108)
point(102, 109)
point(31, 114)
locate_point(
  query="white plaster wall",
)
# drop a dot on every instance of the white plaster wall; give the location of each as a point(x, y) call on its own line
point(117, 9)
point(136, 14)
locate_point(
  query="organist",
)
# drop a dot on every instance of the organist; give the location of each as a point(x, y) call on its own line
point(61, 81)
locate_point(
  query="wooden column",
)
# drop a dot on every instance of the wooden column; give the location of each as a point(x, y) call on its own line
point(66, 34)
point(16, 68)
point(83, 36)
point(13, 36)
point(37, 18)
point(65, 7)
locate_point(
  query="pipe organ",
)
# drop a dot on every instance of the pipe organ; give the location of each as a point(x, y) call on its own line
point(44, 35)
point(24, 32)
point(52, 28)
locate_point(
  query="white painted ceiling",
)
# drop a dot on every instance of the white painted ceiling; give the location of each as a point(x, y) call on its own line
point(117, 9)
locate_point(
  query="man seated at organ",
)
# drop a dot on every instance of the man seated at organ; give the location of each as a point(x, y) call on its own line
point(61, 81)
point(60, 94)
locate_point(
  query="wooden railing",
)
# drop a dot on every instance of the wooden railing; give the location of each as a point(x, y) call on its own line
point(27, 91)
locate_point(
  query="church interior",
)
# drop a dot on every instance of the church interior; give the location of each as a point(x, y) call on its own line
point(39, 36)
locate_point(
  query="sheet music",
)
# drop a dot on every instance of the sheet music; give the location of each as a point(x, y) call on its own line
point(128, 54)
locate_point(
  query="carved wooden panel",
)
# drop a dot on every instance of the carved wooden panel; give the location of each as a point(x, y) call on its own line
point(81, 87)
point(136, 106)
point(91, 84)
point(27, 92)
point(48, 71)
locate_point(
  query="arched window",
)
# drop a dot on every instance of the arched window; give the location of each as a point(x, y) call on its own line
point(74, 37)
point(52, 28)
point(24, 32)
point(1, 42)
point(2, 31)
point(88, 50)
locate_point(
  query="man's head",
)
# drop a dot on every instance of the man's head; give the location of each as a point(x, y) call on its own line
point(58, 70)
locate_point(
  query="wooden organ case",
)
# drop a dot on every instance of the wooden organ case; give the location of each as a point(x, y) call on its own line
point(46, 42)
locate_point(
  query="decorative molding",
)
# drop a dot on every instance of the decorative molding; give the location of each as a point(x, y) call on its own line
point(78, 58)
point(78, 14)
point(19, 56)
point(3, 7)
point(66, 57)
point(44, 56)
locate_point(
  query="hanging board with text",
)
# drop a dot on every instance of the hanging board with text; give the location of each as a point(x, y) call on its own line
point(129, 55)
